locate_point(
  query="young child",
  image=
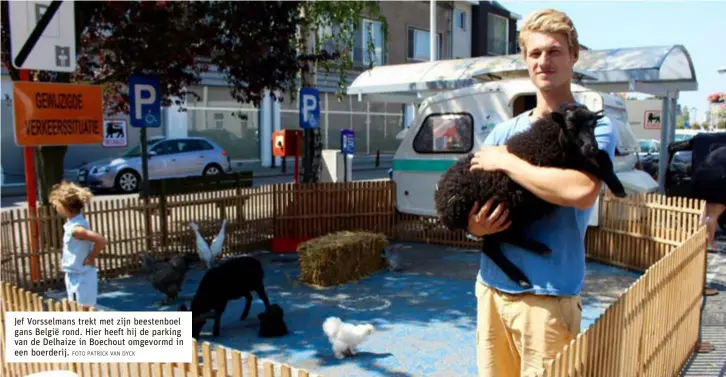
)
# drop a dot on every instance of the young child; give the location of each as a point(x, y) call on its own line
point(81, 245)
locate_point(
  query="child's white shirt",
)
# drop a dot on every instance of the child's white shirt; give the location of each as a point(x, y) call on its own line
point(75, 251)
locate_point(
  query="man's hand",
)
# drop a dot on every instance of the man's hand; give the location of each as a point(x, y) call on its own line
point(490, 158)
point(90, 261)
point(482, 223)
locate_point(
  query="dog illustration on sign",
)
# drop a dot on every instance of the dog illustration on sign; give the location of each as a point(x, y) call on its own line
point(114, 129)
point(114, 134)
point(652, 119)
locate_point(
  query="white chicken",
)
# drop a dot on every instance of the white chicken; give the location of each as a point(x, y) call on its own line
point(344, 337)
point(218, 242)
point(205, 254)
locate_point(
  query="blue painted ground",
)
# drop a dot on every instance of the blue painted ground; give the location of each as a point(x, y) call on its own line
point(424, 316)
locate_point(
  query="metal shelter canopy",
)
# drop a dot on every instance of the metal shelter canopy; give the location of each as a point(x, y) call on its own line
point(653, 70)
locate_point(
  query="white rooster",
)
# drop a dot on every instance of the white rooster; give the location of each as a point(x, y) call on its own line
point(207, 253)
point(202, 248)
point(218, 242)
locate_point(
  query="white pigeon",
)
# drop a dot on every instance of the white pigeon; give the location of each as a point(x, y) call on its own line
point(202, 248)
point(218, 242)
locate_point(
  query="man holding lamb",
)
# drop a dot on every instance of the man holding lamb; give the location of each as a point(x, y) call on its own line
point(520, 329)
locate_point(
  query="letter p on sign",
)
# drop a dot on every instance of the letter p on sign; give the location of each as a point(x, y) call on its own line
point(144, 101)
point(140, 100)
point(309, 108)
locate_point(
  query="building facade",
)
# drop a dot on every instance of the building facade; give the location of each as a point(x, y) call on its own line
point(464, 29)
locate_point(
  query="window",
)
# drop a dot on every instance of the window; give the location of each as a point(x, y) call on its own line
point(193, 145)
point(166, 147)
point(325, 39)
point(418, 44)
point(497, 35)
point(372, 29)
point(460, 19)
point(445, 133)
point(219, 120)
point(204, 145)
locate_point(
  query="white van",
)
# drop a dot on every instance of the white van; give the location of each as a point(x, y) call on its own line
point(450, 124)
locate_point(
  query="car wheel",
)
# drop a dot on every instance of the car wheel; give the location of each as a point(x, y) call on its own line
point(212, 169)
point(127, 181)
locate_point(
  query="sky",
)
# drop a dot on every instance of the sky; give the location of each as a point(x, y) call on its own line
point(697, 25)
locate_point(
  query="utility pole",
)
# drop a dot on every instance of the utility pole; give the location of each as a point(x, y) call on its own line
point(432, 32)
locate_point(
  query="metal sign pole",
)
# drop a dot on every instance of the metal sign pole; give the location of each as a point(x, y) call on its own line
point(345, 167)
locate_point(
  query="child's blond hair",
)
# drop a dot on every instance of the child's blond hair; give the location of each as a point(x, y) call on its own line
point(549, 21)
point(70, 196)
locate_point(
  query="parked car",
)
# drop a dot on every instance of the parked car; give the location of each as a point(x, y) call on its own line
point(648, 147)
point(168, 158)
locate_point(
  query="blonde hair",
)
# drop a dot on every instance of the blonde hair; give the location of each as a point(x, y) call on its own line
point(70, 196)
point(549, 21)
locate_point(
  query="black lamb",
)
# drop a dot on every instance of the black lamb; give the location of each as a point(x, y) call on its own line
point(564, 138)
point(230, 280)
point(272, 323)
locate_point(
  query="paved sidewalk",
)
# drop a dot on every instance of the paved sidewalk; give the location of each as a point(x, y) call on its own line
point(713, 326)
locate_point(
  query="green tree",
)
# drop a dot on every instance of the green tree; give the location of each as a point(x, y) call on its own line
point(343, 18)
point(253, 44)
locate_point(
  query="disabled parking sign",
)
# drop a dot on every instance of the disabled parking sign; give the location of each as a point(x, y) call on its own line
point(309, 108)
point(347, 141)
point(144, 101)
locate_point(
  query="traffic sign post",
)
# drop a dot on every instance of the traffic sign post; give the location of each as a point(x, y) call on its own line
point(347, 146)
point(145, 109)
point(50, 114)
point(309, 122)
point(144, 101)
point(42, 35)
point(309, 108)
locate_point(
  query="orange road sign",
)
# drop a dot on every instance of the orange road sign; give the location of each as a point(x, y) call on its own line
point(57, 114)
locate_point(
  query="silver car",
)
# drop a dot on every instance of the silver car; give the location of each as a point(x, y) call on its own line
point(168, 158)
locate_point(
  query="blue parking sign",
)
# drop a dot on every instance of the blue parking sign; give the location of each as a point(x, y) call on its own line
point(347, 141)
point(309, 108)
point(144, 101)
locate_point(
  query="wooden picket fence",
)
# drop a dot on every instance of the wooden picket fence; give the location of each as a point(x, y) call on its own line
point(650, 330)
point(207, 360)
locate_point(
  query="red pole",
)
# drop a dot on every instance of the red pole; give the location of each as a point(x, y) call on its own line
point(296, 173)
point(30, 190)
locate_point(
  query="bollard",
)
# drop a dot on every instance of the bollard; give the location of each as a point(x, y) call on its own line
point(378, 157)
point(284, 165)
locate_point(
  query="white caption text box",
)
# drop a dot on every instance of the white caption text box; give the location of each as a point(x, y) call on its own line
point(98, 337)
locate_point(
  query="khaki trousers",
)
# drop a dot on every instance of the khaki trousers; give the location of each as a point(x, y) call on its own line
point(518, 334)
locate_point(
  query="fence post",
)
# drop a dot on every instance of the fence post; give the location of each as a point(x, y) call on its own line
point(147, 216)
point(274, 210)
point(162, 215)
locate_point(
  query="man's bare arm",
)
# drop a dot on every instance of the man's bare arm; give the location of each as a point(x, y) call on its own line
point(563, 187)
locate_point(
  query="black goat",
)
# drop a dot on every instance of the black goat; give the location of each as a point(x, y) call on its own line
point(272, 323)
point(230, 280)
point(565, 139)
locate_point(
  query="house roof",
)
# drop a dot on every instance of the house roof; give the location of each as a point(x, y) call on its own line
point(652, 69)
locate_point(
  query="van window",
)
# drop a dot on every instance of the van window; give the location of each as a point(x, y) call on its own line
point(445, 133)
point(522, 103)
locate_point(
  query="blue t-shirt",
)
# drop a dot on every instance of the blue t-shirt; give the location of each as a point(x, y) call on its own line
point(562, 272)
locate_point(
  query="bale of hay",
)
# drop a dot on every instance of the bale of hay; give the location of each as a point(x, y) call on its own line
point(341, 257)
